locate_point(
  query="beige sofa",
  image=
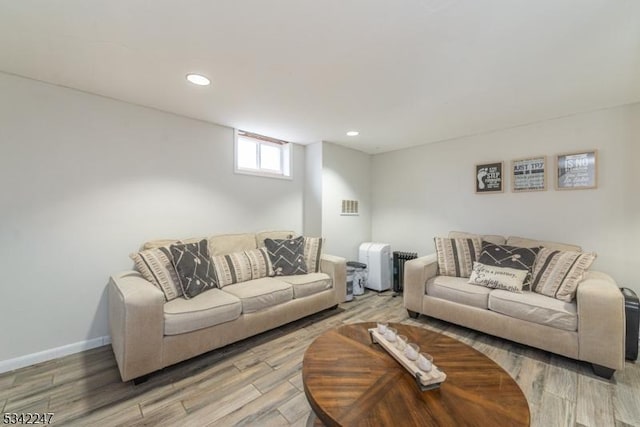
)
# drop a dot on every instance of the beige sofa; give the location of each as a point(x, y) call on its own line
point(149, 333)
point(591, 328)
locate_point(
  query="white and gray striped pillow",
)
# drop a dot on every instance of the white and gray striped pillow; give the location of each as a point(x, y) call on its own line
point(156, 265)
point(557, 273)
point(242, 266)
point(456, 256)
point(312, 253)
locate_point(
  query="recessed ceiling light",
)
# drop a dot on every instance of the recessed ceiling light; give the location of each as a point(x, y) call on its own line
point(353, 133)
point(198, 79)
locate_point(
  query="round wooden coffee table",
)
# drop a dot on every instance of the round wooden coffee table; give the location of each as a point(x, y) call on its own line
point(349, 381)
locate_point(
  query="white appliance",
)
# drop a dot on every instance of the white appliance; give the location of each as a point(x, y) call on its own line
point(377, 256)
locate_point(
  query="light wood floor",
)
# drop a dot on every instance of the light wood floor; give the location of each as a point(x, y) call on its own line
point(258, 381)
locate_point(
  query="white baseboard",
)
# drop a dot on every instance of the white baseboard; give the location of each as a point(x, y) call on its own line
point(54, 353)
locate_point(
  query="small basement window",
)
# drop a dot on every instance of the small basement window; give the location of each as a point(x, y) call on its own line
point(261, 155)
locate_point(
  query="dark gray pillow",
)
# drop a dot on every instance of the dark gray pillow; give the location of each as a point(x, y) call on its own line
point(287, 256)
point(510, 257)
point(194, 267)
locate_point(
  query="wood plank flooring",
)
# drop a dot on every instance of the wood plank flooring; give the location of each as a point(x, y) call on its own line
point(258, 381)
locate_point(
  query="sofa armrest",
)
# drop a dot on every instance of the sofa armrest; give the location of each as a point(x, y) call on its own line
point(336, 267)
point(601, 320)
point(136, 324)
point(416, 273)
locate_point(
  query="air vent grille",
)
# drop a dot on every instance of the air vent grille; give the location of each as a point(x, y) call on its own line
point(350, 207)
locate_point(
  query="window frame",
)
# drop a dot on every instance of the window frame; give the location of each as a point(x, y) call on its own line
point(286, 170)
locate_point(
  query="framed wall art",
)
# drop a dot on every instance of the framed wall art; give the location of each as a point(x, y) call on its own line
point(577, 171)
point(529, 174)
point(489, 178)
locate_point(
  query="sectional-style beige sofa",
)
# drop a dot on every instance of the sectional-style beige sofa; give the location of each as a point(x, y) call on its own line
point(149, 333)
point(590, 328)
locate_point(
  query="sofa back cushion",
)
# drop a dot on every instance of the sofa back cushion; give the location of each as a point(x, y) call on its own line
point(493, 238)
point(230, 243)
point(275, 235)
point(218, 245)
point(165, 243)
point(530, 243)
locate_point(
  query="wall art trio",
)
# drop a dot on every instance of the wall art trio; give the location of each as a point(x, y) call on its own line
point(573, 171)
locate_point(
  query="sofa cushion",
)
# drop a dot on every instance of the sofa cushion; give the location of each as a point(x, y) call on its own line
point(530, 243)
point(156, 265)
point(557, 273)
point(206, 309)
point(312, 253)
point(308, 284)
point(230, 243)
point(498, 240)
point(535, 308)
point(510, 279)
point(259, 294)
point(275, 235)
point(194, 268)
point(506, 256)
point(287, 256)
point(456, 256)
point(152, 244)
point(456, 289)
point(241, 266)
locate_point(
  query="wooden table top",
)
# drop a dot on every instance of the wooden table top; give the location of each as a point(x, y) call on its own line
point(349, 381)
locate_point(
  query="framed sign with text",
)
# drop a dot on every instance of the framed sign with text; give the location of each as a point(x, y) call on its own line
point(529, 174)
point(489, 178)
point(577, 171)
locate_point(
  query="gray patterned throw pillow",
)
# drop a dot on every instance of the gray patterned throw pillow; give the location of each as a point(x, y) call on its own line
point(505, 256)
point(287, 256)
point(194, 268)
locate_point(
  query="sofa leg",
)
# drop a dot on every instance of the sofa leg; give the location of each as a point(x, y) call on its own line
point(602, 371)
point(333, 307)
point(413, 314)
point(142, 379)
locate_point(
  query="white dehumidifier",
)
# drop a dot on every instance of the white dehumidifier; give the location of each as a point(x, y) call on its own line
point(377, 256)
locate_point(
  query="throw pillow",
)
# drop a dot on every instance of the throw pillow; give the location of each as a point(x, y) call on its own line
point(287, 256)
point(156, 266)
point(509, 279)
point(194, 268)
point(312, 253)
point(260, 263)
point(509, 256)
point(232, 268)
point(557, 273)
point(456, 256)
point(242, 266)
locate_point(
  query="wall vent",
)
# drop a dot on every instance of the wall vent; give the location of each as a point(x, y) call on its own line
point(350, 207)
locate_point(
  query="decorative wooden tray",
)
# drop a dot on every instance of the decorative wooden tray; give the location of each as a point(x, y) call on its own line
point(425, 380)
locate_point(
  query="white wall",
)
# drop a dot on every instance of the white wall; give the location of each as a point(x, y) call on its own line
point(85, 180)
point(346, 174)
point(313, 190)
point(426, 191)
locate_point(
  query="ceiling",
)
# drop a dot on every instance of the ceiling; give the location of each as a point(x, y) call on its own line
point(402, 72)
